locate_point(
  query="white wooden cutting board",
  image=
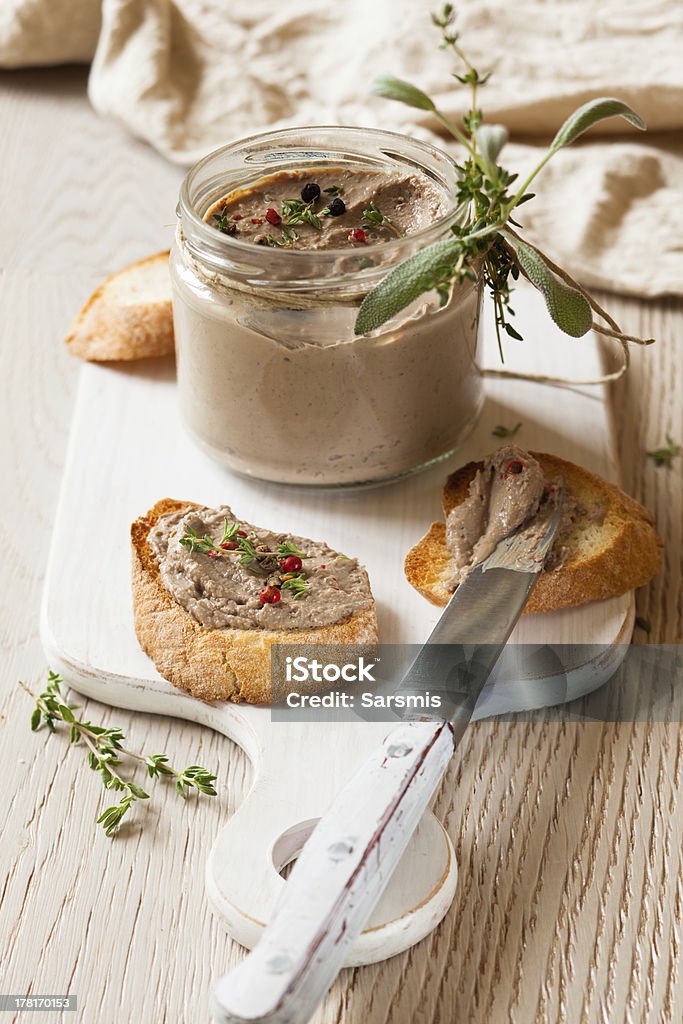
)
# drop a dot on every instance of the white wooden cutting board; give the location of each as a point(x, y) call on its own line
point(127, 450)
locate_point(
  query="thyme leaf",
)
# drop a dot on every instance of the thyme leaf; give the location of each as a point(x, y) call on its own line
point(506, 432)
point(229, 530)
point(665, 456)
point(223, 223)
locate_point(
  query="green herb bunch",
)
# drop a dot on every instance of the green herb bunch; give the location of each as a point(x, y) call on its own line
point(485, 245)
point(106, 753)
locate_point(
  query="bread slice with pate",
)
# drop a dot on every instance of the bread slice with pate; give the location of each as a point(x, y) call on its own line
point(203, 599)
point(128, 317)
point(606, 545)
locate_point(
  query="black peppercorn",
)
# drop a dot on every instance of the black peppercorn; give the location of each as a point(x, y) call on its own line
point(336, 207)
point(310, 192)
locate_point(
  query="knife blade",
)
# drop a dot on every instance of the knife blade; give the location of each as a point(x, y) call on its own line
point(462, 650)
point(349, 858)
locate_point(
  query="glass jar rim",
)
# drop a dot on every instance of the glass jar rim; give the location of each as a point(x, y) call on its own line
point(232, 247)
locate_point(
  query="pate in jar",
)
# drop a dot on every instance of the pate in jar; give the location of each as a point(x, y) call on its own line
point(279, 239)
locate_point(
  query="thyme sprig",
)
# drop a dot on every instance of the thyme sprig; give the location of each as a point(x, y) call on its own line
point(194, 542)
point(296, 582)
point(106, 753)
point(256, 557)
point(223, 223)
point(192, 777)
point(485, 247)
point(287, 548)
point(296, 211)
point(665, 456)
point(374, 218)
point(288, 237)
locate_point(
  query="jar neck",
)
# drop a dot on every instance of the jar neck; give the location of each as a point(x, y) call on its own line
point(304, 271)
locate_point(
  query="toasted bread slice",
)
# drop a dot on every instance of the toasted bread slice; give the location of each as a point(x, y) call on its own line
point(214, 664)
point(129, 316)
point(602, 558)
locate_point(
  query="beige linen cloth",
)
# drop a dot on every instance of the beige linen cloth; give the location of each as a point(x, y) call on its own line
point(190, 75)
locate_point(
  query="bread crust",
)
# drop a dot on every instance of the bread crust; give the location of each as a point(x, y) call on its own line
point(106, 330)
point(628, 557)
point(214, 664)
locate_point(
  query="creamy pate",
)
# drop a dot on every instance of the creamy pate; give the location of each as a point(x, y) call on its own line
point(509, 492)
point(244, 581)
point(328, 208)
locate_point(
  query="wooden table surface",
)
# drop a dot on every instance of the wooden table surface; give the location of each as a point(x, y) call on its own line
point(568, 835)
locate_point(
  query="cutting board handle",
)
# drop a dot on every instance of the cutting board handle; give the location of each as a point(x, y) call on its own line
point(337, 880)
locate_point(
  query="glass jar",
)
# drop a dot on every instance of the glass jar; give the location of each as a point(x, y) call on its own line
point(273, 382)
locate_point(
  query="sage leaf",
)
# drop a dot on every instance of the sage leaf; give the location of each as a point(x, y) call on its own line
point(568, 308)
point(589, 114)
point(403, 92)
point(491, 138)
point(405, 283)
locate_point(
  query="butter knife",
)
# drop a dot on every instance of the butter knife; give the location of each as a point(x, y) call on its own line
point(353, 850)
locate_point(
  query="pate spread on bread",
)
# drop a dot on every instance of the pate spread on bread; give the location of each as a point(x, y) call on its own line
point(212, 593)
point(605, 546)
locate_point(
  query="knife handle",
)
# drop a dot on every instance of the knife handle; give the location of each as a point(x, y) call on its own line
point(336, 881)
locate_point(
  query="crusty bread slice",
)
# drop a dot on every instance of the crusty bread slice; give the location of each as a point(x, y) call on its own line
point(603, 559)
point(129, 316)
point(214, 664)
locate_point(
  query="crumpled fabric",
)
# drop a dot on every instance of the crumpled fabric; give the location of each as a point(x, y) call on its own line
point(191, 75)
